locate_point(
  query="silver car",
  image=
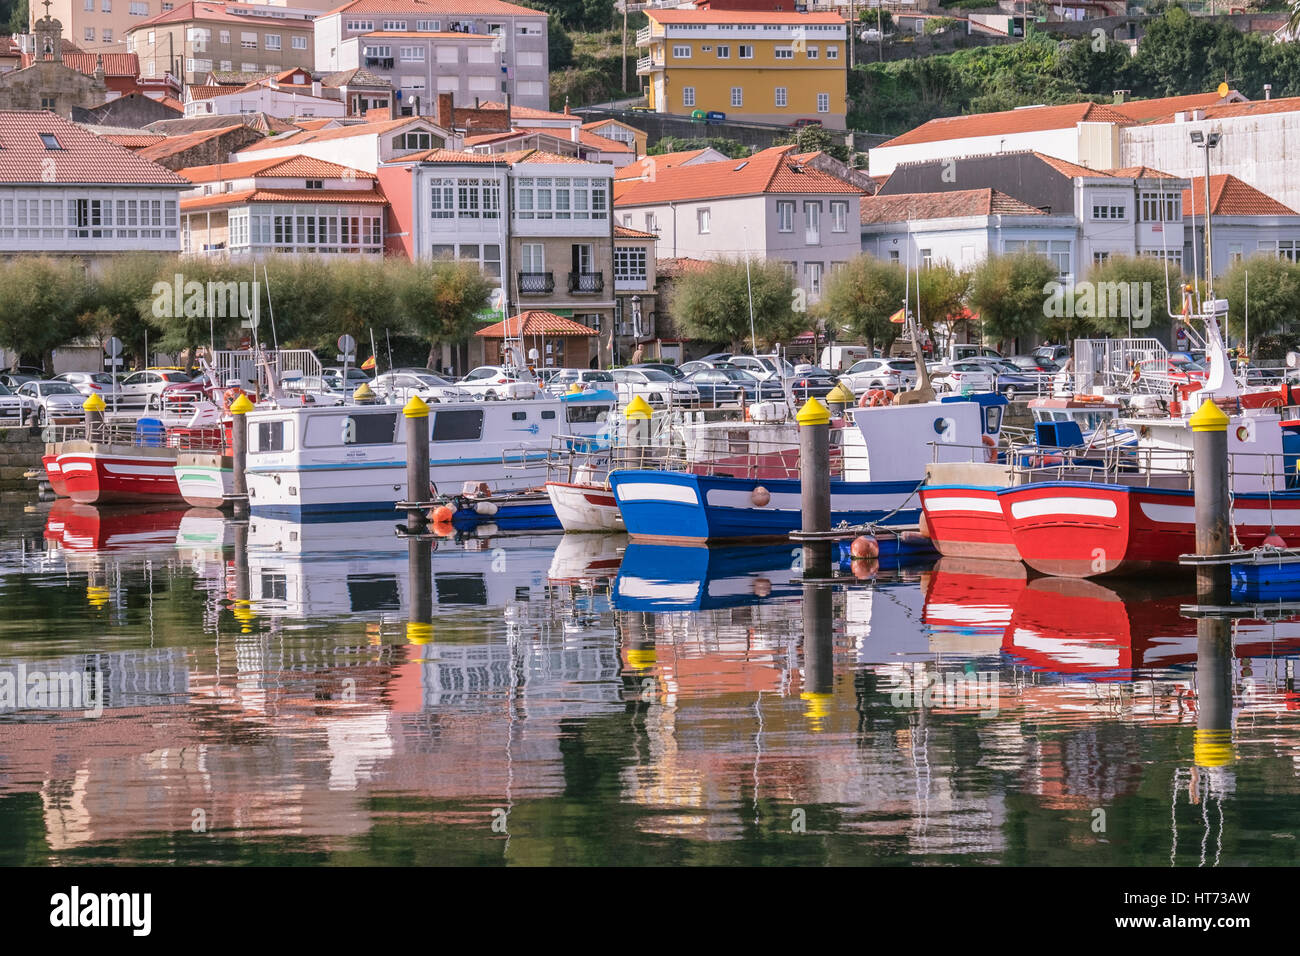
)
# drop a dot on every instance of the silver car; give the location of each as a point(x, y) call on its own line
point(656, 387)
point(90, 383)
point(56, 403)
point(15, 409)
point(398, 385)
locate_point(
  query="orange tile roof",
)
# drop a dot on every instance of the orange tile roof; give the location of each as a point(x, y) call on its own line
point(1069, 169)
point(466, 8)
point(1032, 119)
point(305, 167)
point(1160, 107)
point(603, 143)
point(958, 204)
point(178, 144)
point(506, 159)
point(196, 92)
point(1229, 196)
point(1286, 104)
point(404, 34)
point(200, 10)
point(134, 140)
point(535, 322)
point(669, 268)
point(82, 158)
point(1139, 172)
point(221, 200)
point(768, 171)
point(627, 232)
point(643, 165)
point(724, 17)
point(518, 112)
point(115, 64)
point(339, 132)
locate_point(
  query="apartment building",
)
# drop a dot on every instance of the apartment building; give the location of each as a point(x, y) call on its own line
point(1245, 222)
point(473, 49)
point(64, 190)
point(537, 223)
point(764, 66)
point(360, 145)
point(773, 205)
point(198, 38)
point(288, 95)
point(298, 205)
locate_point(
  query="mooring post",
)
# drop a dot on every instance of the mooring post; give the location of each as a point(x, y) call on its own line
point(818, 651)
point(94, 407)
point(815, 484)
point(417, 463)
point(242, 608)
point(1210, 492)
point(1212, 741)
point(239, 410)
point(638, 414)
point(839, 399)
point(419, 585)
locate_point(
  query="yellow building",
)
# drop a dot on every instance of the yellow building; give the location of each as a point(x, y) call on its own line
point(762, 66)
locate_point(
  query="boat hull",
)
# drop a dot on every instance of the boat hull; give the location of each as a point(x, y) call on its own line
point(681, 507)
point(526, 511)
point(585, 507)
point(1078, 529)
point(205, 479)
point(54, 474)
point(112, 474)
point(967, 522)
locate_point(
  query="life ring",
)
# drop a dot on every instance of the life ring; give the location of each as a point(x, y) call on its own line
point(865, 399)
point(1137, 374)
point(880, 396)
point(991, 446)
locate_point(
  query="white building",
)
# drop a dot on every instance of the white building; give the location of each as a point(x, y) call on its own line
point(1245, 223)
point(289, 95)
point(65, 190)
point(358, 145)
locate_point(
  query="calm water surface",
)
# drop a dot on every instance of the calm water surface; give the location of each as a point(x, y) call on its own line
point(343, 696)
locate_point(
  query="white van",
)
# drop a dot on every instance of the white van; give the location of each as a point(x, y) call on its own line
point(837, 358)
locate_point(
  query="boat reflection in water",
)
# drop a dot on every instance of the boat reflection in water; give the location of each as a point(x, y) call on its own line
point(88, 528)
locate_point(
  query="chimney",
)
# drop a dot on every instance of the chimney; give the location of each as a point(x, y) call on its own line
point(315, 88)
point(99, 67)
point(573, 133)
point(446, 111)
point(510, 124)
point(1268, 91)
point(1121, 96)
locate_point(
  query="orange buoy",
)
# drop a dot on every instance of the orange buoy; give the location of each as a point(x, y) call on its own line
point(866, 569)
point(760, 496)
point(443, 514)
point(864, 547)
point(1274, 540)
point(444, 529)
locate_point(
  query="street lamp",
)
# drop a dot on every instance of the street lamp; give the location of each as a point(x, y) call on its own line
point(1207, 142)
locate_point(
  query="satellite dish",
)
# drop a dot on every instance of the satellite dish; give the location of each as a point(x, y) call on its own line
point(1223, 90)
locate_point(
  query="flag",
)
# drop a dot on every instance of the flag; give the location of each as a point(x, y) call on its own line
point(899, 317)
point(369, 363)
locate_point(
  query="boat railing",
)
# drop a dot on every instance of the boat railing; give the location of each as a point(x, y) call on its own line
point(727, 456)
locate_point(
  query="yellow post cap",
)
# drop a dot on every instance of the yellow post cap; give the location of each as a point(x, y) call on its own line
point(819, 707)
point(1209, 418)
point(417, 633)
point(841, 394)
point(641, 659)
point(241, 405)
point(363, 392)
point(813, 413)
point(93, 404)
point(415, 408)
point(96, 595)
point(1212, 748)
point(637, 410)
point(575, 388)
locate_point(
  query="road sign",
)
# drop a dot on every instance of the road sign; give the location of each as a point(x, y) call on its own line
point(347, 345)
point(113, 347)
point(113, 362)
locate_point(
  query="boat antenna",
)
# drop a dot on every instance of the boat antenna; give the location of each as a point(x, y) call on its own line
point(749, 282)
point(270, 306)
point(389, 339)
point(373, 354)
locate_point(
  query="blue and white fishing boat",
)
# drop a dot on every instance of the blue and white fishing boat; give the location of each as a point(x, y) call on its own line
point(317, 462)
point(878, 458)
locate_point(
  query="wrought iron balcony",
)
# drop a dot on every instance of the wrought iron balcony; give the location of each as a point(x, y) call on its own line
point(536, 283)
point(586, 282)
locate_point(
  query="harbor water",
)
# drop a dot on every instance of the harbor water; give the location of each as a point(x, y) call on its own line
point(178, 686)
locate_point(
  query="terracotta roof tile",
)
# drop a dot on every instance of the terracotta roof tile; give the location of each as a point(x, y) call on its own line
point(1139, 172)
point(304, 167)
point(82, 158)
point(1031, 119)
point(663, 161)
point(338, 132)
point(1160, 107)
point(723, 17)
point(673, 267)
point(1286, 104)
point(1067, 168)
point(627, 232)
point(535, 322)
point(133, 140)
point(201, 10)
point(452, 7)
point(1229, 196)
point(115, 64)
point(178, 144)
point(195, 92)
point(221, 200)
point(768, 171)
point(959, 204)
point(518, 112)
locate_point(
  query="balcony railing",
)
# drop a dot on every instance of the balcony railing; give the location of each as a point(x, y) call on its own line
point(643, 36)
point(536, 283)
point(586, 282)
point(648, 64)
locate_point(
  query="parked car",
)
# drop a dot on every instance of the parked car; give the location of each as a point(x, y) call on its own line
point(667, 367)
point(964, 350)
point(1056, 353)
point(586, 378)
point(762, 366)
point(144, 389)
point(965, 376)
point(15, 379)
point(90, 383)
point(1011, 380)
point(181, 398)
point(893, 374)
point(498, 381)
point(317, 387)
point(696, 364)
point(55, 403)
point(355, 375)
point(811, 382)
point(14, 408)
point(727, 380)
point(399, 384)
point(1034, 363)
point(546, 374)
point(840, 358)
point(656, 387)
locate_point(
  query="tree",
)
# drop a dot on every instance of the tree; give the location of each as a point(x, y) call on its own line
point(43, 304)
point(942, 292)
point(296, 294)
point(862, 294)
point(713, 304)
point(1010, 293)
point(559, 45)
point(438, 300)
point(674, 144)
point(1122, 293)
point(121, 293)
point(1094, 65)
point(1274, 296)
point(812, 139)
point(208, 305)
